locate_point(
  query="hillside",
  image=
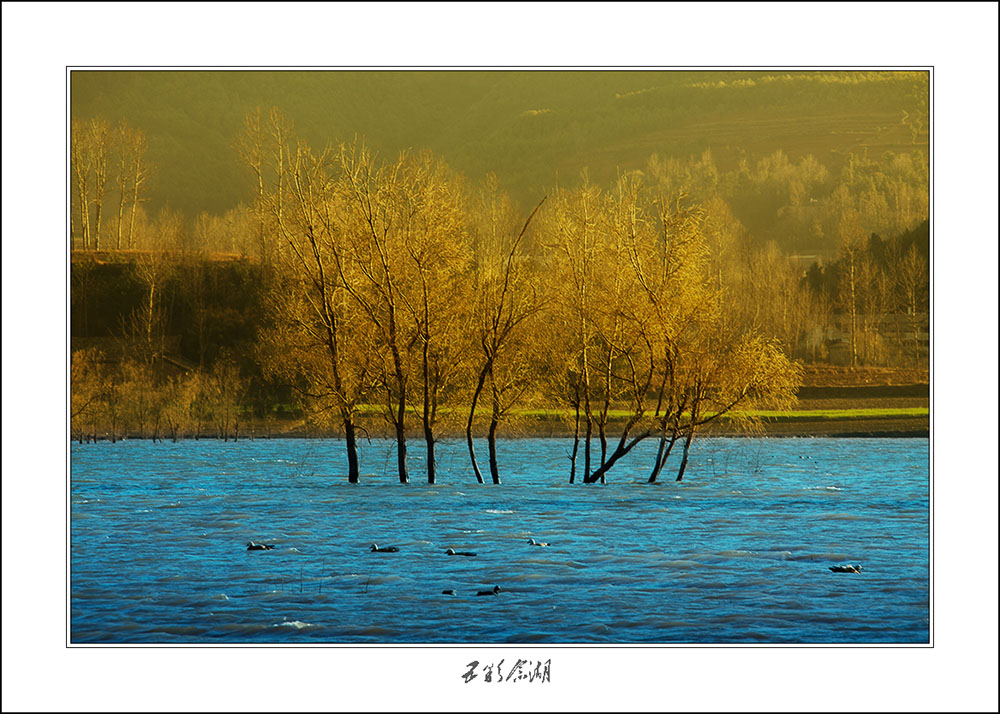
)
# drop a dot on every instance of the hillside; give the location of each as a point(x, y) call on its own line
point(532, 128)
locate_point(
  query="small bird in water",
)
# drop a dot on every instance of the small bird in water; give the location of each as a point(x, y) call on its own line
point(389, 549)
point(846, 568)
point(532, 541)
point(259, 546)
point(447, 592)
point(452, 551)
point(494, 591)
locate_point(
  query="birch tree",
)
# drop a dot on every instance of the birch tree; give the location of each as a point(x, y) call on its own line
point(133, 177)
point(100, 140)
point(82, 169)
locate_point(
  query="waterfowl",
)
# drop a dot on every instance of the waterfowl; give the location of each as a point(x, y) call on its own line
point(259, 546)
point(447, 592)
point(532, 541)
point(494, 591)
point(846, 568)
point(388, 549)
point(452, 551)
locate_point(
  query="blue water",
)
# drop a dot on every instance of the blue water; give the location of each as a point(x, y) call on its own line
point(739, 552)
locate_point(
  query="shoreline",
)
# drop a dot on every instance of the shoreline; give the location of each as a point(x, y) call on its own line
point(823, 410)
point(874, 428)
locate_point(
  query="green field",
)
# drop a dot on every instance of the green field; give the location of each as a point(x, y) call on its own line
point(804, 414)
point(818, 414)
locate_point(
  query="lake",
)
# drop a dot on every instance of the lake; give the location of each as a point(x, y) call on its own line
point(739, 552)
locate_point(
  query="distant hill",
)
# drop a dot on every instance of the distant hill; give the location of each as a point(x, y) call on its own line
point(533, 128)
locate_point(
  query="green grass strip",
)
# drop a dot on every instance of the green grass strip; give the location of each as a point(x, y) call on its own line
point(796, 415)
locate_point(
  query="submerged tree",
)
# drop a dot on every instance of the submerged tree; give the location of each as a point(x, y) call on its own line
point(646, 326)
point(732, 376)
point(437, 257)
point(374, 223)
point(315, 341)
point(666, 299)
point(572, 238)
point(504, 299)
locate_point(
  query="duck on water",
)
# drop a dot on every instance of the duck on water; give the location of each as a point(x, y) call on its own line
point(532, 541)
point(452, 551)
point(387, 549)
point(259, 546)
point(495, 591)
point(846, 568)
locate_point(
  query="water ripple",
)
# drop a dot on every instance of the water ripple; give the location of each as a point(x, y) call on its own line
point(732, 554)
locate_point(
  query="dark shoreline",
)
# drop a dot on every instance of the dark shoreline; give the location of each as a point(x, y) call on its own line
point(876, 428)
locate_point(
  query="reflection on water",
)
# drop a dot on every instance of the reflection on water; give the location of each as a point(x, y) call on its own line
point(737, 553)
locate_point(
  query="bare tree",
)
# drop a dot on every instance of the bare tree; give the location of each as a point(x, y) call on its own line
point(504, 300)
point(572, 240)
point(375, 222)
point(178, 394)
point(100, 137)
point(135, 172)
point(227, 391)
point(82, 168)
point(86, 378)
point(733, 375)
point(145, 329)
point(255, 150)
point(319, 334)
point(267, 147)
point(912, 281)
point(850, 237)
point(437, 257)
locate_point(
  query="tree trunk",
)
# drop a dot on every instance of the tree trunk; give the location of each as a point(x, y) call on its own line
point(468, 425)
point(404, 475)
point(122, 193)
point(131, 216)
point(84, 210)
point(854, 318)
point(576, 444)
point(687, 450)
point(352, 450)
point(602, 434)
point(622, 449)
point(492, 439)
point(602, 429)
point(660, 458)
point(97, 226)
point(662, 454)
point(429, 438)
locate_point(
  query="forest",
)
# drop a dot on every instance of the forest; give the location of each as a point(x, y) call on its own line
point(357, 291)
